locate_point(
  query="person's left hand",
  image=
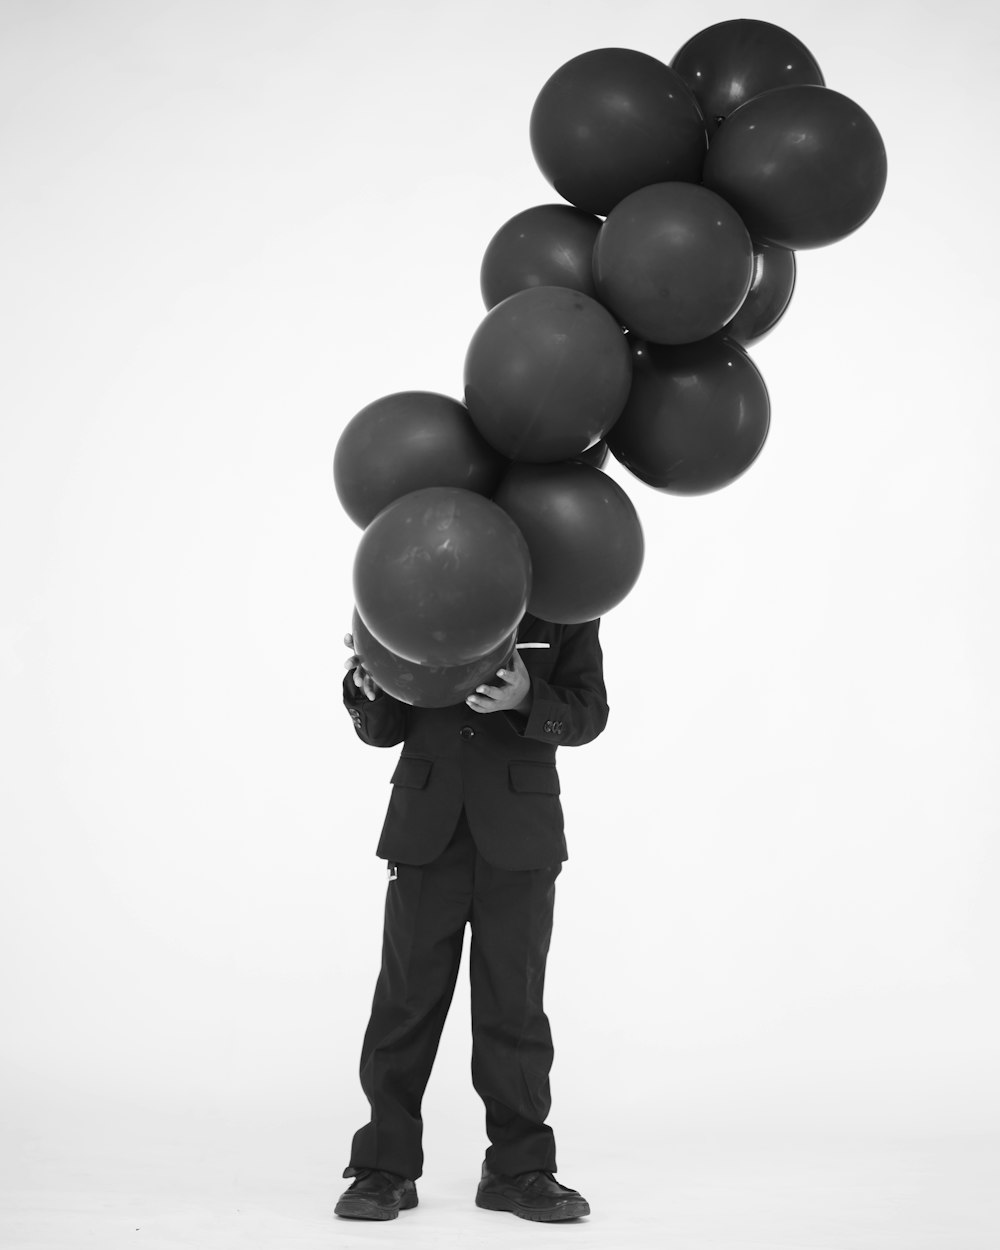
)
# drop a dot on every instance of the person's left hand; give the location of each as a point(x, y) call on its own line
point(511, 695)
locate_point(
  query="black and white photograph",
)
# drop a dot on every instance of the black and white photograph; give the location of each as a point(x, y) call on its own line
point(499, 601)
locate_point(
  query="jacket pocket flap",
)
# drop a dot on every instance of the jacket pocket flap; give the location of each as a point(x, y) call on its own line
point(527, 777)
point(411, 772)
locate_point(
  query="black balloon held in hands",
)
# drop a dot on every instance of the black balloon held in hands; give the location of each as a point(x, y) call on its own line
point(425, 685)
point(442, 576)
point(626, 334)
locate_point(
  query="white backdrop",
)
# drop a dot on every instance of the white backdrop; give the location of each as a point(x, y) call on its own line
point(226, 227)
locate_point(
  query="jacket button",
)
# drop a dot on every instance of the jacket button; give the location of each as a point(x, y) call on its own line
point(467, 731)
point(547, 727)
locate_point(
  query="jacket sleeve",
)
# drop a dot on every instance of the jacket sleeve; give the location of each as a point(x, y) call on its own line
point(379, 722)
point(571, 707)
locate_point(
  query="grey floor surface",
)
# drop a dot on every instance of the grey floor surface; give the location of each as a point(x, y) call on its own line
point(85, 1176)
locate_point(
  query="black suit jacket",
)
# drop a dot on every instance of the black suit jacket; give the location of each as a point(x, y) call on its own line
point(500, 766)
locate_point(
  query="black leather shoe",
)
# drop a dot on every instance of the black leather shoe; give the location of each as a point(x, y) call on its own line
point(376, 1195)
point(531, 1195)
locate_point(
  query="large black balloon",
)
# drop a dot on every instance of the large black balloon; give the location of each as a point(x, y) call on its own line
point(442, 576)
point(404, 442)
point(546, 373)
point(696, 417)
point(673, 262)
point(583, 533)
point(613, 120)
point(769, 295)
point(728, 63)
point(550, 245)
point(422, 685)
point(803, 166)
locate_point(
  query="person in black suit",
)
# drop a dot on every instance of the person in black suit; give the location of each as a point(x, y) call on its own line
point(473, 834)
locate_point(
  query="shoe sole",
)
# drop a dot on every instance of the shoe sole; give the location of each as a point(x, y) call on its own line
point(566, 1211)
point(365, 1209)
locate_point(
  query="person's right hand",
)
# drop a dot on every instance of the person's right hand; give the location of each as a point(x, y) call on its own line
point(362, 679)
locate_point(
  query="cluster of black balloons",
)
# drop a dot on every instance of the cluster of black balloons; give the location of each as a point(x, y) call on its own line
point(619, 321)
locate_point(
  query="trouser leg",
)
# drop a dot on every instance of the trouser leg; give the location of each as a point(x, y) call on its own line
point(425, 915)
point(511, 1040)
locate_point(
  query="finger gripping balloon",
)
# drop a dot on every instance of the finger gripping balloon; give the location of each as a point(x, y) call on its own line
point(423, 685)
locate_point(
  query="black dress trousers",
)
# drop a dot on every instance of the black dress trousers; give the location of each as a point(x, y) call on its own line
point(426, 911)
